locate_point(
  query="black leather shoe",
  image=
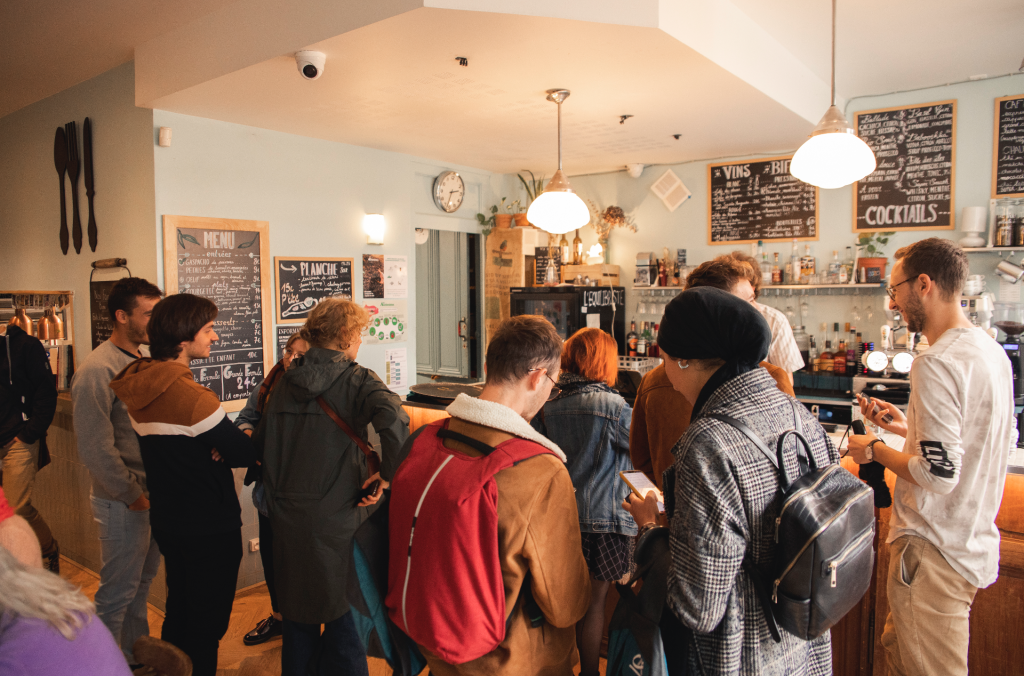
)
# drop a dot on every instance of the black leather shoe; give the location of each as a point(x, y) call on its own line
point(264, 631)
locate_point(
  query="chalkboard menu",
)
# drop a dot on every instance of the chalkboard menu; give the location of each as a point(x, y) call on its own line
point(543, 254)
point(1008, 153)
point(101, 323)
point(912, 186)
point(759, 200)
point(223, 260)
point(284, 333)
point(301, 283)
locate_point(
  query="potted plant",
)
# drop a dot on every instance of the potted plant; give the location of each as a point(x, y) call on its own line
point(501, 216)
point(870, 255)
point(534, 187)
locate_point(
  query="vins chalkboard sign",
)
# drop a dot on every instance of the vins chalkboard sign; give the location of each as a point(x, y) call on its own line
point(912, 186)
point(760, 199)
point(223, 260)
point(543, 254)
point(304, 282)
point(1008, 153)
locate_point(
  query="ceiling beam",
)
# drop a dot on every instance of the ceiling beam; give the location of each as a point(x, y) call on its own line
point(631, 13)
point(246, 33)
point(725, 35)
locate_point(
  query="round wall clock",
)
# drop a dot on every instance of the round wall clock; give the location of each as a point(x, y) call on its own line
point(449, 190)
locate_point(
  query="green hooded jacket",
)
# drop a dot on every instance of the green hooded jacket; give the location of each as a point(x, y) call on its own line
point(313, 474)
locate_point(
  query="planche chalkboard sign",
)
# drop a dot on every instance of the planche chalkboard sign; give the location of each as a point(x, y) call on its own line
point(1008, 150)
point(542, 254)
point(759, 200)
point(224, 260)
point(913, 185)
point(304, 282)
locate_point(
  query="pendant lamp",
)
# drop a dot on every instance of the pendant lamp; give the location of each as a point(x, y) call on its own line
point(834, 155)
point(558, 209)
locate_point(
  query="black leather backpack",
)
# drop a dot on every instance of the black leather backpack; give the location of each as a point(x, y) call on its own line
point(824, 532)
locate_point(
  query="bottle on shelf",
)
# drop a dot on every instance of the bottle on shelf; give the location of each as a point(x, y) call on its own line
point(839, 355)
point(766, 267)
point(833, 269)
point(793, 271)
point(860, 353)
point(1004, 223)
point(565, 251)
point(641, 343)
point(851, 351)
point(803, 344)
point(848, 264)
point(825, 362)
point(776, 271)
point(577, 249)
point(631, 339)
point(807, 266)
point(652, 343)
point(813, 361)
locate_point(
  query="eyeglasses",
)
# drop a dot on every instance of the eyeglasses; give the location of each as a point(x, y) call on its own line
point(555, 389)
point(891, 290)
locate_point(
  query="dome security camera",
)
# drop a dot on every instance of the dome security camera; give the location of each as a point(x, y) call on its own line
point(310, 64)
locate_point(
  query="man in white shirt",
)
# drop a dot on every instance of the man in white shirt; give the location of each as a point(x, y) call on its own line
point(959, 429)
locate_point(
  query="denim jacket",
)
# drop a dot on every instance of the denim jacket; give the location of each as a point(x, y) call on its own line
point(590, 422)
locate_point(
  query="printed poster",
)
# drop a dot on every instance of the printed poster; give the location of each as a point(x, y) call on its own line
point(388, 322)
point(396, 368)
point(396, 276)
point(373, 276)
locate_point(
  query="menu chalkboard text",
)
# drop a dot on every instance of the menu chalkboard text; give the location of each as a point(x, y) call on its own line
point(1008, 150)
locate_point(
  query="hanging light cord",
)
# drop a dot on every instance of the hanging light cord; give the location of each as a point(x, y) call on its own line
point(833, 52)
point(559, 134)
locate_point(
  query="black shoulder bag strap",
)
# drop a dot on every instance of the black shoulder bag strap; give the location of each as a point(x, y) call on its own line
point(748, 563)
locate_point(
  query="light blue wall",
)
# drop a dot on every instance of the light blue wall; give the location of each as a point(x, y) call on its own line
point(687, 227)
point(314, 194)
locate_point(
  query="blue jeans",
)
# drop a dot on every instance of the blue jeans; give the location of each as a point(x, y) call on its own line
point(338, 652)
point(130, 562)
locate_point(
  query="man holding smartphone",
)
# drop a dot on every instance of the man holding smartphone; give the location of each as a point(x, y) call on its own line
point(959, 427)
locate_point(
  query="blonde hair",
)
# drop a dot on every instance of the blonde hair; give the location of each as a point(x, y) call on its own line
point(334, 321)
point(38, 593)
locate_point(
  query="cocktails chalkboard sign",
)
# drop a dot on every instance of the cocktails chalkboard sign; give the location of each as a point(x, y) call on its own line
point(304, 282)
point(543, 254)
point(759, 200)
point(224, 260)
point(912, 187)
point(1008, 153)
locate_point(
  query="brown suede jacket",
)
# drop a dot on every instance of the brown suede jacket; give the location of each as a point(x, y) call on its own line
point(538, 534)
point(661, 415)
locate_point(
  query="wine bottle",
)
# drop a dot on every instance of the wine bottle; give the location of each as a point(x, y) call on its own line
point(776, 271)
point(632, 338)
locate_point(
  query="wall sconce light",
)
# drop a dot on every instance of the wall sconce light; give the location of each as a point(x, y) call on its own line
point(373, 226)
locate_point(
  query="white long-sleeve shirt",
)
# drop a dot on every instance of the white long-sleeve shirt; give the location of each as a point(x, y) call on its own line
point(960, 429)
point(783, 351)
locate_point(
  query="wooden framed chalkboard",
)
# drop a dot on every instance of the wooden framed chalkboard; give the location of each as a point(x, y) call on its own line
point(301, 283)
point(1008, 148)
point(226, 261)
point(913, 185)
point(759, 200)
point(542, 255)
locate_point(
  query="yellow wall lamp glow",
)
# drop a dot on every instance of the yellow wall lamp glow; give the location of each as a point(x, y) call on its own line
point(373, 226)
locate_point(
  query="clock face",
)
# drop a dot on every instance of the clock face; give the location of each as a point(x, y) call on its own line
point(449, 191)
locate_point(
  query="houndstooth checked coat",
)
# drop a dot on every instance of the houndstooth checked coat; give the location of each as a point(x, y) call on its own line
point(726, 500)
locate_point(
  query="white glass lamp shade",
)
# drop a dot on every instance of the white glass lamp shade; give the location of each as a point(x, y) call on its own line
point(832, 160)
point(834, 156)
point(558, 209)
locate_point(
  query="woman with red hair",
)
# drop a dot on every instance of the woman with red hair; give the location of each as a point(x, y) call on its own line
point(590, 422)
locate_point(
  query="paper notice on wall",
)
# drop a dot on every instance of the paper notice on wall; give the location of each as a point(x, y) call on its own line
point(373, 276)
point(388, 322)
point(396, 276)
point(593, 320)
point(396, 368)
point(1008, 293)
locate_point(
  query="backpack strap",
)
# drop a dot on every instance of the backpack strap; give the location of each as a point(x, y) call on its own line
point(372, 460)
point(445, 433)
point(762, 595)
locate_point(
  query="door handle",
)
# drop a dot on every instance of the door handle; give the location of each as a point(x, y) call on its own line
point(462, 322)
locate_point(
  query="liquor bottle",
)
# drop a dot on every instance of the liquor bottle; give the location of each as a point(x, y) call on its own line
point(851, 352)
point(814, 360)
point(652, 344)
point(776, 271)
point(641, 346)
point(793, 272)
point(577, 249)
point(766, 270)
point(631, 339)
point(825, 362)
point(807, 266)
point(848, 263)
point(839, 356)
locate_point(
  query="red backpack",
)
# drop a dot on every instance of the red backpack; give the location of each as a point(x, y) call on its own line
point(445, 587)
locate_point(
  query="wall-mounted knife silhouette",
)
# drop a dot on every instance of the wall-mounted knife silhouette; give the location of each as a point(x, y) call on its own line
point(89, 192)
point(60, 160)
point(74, 169)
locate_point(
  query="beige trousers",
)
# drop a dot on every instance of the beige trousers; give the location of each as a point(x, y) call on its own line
point(20, 463)
point(927, 630)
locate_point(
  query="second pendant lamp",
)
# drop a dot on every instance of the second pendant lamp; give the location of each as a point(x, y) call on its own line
point(558, 209)
point(834, 156)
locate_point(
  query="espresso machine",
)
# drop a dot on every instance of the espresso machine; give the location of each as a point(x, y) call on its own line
point(1009, 319)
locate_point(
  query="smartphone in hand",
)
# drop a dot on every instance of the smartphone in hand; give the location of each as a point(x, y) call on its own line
point(368, 491)
point(641, 486)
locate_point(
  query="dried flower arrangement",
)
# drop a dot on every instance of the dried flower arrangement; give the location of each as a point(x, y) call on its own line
point(604, 221)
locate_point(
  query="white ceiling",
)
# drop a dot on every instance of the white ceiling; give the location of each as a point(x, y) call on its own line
point(732, 76)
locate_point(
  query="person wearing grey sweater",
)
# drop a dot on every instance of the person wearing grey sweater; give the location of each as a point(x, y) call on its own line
point(109, 448)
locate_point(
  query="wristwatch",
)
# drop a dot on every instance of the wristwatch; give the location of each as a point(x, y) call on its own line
point(870, 448)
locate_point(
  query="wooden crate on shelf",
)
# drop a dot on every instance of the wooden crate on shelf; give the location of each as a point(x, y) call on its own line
point(606, 275)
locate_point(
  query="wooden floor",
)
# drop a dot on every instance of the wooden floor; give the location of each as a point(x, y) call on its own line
point(235, 658)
